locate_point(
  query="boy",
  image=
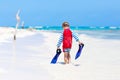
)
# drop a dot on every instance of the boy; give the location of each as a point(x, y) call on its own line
point(66, 39)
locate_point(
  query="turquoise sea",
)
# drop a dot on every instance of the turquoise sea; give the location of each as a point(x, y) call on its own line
point(104, 32)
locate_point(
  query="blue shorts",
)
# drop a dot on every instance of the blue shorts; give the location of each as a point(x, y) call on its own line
point(67, 50)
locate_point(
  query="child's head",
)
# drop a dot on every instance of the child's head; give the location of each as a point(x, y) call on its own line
point(65, 24)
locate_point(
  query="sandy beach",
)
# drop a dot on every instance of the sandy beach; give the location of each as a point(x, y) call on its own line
point(28, 58)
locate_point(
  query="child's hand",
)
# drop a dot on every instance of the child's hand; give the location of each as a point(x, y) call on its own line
point(80, 43)
point(58, 47)
point(58, 50)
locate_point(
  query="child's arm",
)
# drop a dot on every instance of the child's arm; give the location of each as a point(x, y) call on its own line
point(76, 37)
point(60, 41)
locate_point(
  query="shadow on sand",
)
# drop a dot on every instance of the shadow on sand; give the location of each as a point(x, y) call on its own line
point(63, 63)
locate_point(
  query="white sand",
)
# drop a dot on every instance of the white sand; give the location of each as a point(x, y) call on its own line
point(28, 58)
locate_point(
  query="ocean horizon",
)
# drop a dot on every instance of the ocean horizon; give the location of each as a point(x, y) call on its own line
point(102, 32)
point(72, 27)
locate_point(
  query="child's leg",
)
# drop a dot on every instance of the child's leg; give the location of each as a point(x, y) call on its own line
point(66, 57)
point(69, 58)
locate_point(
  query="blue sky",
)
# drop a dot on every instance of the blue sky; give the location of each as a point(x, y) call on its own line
point(54, 12)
